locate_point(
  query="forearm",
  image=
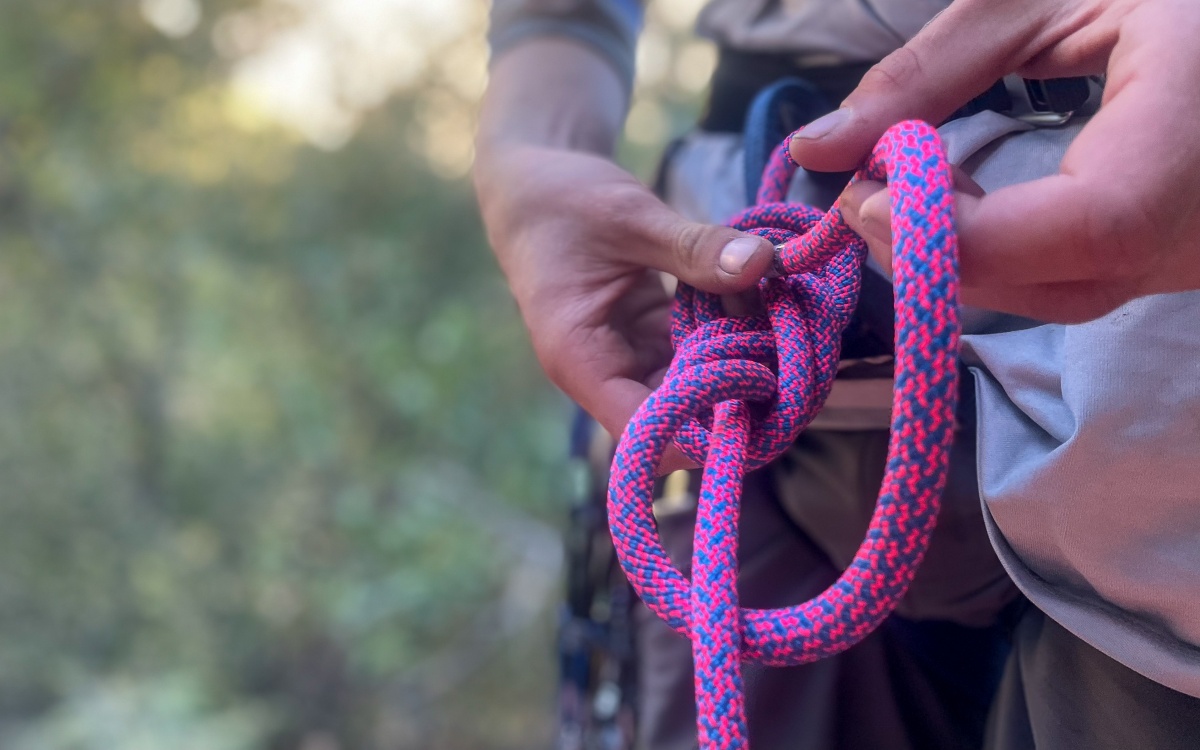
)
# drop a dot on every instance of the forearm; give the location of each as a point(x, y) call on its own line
point(554, 93)
point(548, 98)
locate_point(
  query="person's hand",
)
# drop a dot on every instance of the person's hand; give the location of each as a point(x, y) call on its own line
point(1122, 217)
point(581, 242)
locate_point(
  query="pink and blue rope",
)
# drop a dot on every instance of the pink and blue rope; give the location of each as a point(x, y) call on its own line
point(741, 389)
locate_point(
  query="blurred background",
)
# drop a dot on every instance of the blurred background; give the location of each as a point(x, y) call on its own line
point(279, 468)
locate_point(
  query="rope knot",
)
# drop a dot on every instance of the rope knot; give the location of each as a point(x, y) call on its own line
point(741, 389)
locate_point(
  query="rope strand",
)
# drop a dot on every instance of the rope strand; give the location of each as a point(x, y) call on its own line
point(740, 390)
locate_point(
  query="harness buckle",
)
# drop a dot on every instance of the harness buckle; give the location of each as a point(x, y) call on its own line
point(1051, 102)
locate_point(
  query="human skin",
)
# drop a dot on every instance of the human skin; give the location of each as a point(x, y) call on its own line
point(1120, 220)
point(580, 240)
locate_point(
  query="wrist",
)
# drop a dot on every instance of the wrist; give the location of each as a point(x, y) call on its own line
point(552, 92)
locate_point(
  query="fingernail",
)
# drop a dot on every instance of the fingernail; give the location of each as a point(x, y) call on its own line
point(737, 254)
point(823, 126)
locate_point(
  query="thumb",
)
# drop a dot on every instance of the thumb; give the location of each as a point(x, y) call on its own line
point(956, 57)
point(724, 264)
point(712, 258)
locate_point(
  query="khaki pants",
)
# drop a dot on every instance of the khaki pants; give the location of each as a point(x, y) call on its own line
point(923, 681)
point(926, 679)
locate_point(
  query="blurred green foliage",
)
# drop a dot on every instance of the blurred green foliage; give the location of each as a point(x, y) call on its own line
point(278, 468)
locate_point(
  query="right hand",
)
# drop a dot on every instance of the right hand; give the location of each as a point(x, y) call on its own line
point(580, 241)
point(1120, 220)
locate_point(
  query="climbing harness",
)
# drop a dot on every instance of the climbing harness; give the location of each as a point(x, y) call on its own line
point(597, 688)
point(739, 391)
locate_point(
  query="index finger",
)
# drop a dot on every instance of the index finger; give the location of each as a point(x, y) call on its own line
point(1125, 185)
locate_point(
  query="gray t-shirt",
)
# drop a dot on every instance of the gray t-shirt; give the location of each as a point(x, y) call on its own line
point(830, 31)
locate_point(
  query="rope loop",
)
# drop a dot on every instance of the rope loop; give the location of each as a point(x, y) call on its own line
point(741, 389)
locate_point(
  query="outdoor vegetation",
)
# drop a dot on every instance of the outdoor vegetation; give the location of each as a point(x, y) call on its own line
point(278, 469)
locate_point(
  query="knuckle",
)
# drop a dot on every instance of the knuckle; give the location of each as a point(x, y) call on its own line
point(621, 204)
point(686, 239)
point(623, 216)
point(896, 71)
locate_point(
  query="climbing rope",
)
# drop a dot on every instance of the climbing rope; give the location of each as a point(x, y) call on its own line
point(739, 391)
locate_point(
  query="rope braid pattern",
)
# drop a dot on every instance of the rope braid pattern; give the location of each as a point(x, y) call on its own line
point(741, 389)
